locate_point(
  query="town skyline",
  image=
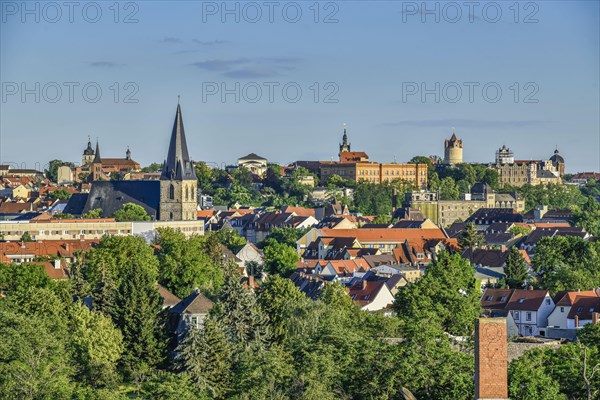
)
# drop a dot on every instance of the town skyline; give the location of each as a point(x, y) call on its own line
point(373, 67)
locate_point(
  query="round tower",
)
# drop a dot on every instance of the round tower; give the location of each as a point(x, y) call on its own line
point(453, 150)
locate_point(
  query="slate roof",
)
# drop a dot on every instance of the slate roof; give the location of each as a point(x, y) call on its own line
point(109, 196)
point(178, 165)
point(76, 204)
point(487, 258)
point(487, 216)
point(195, 303)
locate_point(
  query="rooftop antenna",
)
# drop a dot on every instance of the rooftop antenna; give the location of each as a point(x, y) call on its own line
point(453, 130)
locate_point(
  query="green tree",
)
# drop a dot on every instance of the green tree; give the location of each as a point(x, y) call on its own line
point(185, 265)
point(205, 356)
point(515, 271)
point(26, 237)
point(205, 177)
point(280, 258)
point(170, 386)
point(448, 189)
point(139, 303)
point(589, 216)
point(131, 212)
point(60, 194)
point(470, 238)
point(447, 293)
point(154, 167)
point(96, 213)
point(33, 363)
point(97, 345)
point(15, 277)
point(278, 297)
point(528, 380)
point(286, 235)
point(237, 309)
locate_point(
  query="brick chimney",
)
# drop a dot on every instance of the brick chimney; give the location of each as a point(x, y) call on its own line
point(595, 317)
point(577, 321)
point(57, 264)
point(491, 359)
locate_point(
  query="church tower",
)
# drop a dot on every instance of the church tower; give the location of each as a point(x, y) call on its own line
point(178, 182)
point(96, 172)
point(344, 146)
point(88, 154)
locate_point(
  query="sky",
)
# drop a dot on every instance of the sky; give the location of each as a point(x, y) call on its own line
point(282, 79)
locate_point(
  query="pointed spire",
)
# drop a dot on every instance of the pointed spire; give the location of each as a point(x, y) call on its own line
point(97, 158)
point(178, 165)
point(128, 154)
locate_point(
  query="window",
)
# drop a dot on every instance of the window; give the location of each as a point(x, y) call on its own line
point(528, 316)
point(503, 298)
point(516, 315)
point(521, 301)
point(548, 302)
point(579, 309)
point(171, 192)
point(489, 298)
point(562, 309)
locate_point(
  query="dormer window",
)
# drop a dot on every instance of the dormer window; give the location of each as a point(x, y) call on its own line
point(489, 298)
point(521, 301)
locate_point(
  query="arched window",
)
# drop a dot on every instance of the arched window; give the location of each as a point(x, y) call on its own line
point(187, 193)
point(171, 213)
point(172, 192)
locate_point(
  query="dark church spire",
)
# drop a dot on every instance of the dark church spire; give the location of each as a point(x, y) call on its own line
point(97, 159)
point(178, 165)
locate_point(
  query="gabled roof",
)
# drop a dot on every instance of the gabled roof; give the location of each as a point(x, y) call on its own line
point(109, 196)
point(528, 300)
point(169, 299)
point(364, 292)
point(299, 211)
point(568, 298)
point(583, 307)
point(495, 298)
point(195, 303)
point(386, 235)
point(486, 257)
point(251, 156)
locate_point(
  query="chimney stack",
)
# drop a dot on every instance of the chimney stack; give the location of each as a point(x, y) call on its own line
point(57, 264)
point(595, 317)
point(577, 321)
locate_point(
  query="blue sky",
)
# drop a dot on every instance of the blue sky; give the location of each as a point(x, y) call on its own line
point(372, 58)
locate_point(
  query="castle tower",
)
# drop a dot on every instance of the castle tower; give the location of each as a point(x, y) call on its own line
point(344, 146)
point(453, 150)
point(178, 182)
point(88, 154)
point(504, 156)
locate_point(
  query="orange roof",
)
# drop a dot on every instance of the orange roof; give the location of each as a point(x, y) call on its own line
point(364, 292)
point(299, 211)
point(525, 256)
point(569, 298)
point(243, 211)
point(58, 248)
point(552, 225)
point(394, 235)
point(349, 267)
point(118, 161)
point(69, 221)
point(350, 156)
point(205, 213)
point(51, 271)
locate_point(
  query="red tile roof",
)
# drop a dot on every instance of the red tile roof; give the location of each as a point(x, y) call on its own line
point(568, 298)
point(386, 235)
point(364, 292)
point(584, 307)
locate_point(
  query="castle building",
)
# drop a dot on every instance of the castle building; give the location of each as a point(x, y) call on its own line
point(172, 198)
point(533, 172)
point(504, 156)
point(355, 166)
point(453, 150)
point(446, 212)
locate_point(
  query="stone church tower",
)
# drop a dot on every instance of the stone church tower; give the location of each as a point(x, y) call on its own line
point(453, 150)
point(178, 182)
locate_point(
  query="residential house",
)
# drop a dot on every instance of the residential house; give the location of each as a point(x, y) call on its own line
point(558, 321)
point(371, 295)
point(585, 311)
point(190, 313)
point(529, 308)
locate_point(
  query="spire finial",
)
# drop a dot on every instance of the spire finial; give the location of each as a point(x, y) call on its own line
point(178, 99)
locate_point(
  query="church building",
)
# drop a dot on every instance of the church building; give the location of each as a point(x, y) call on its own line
point(172, 198)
